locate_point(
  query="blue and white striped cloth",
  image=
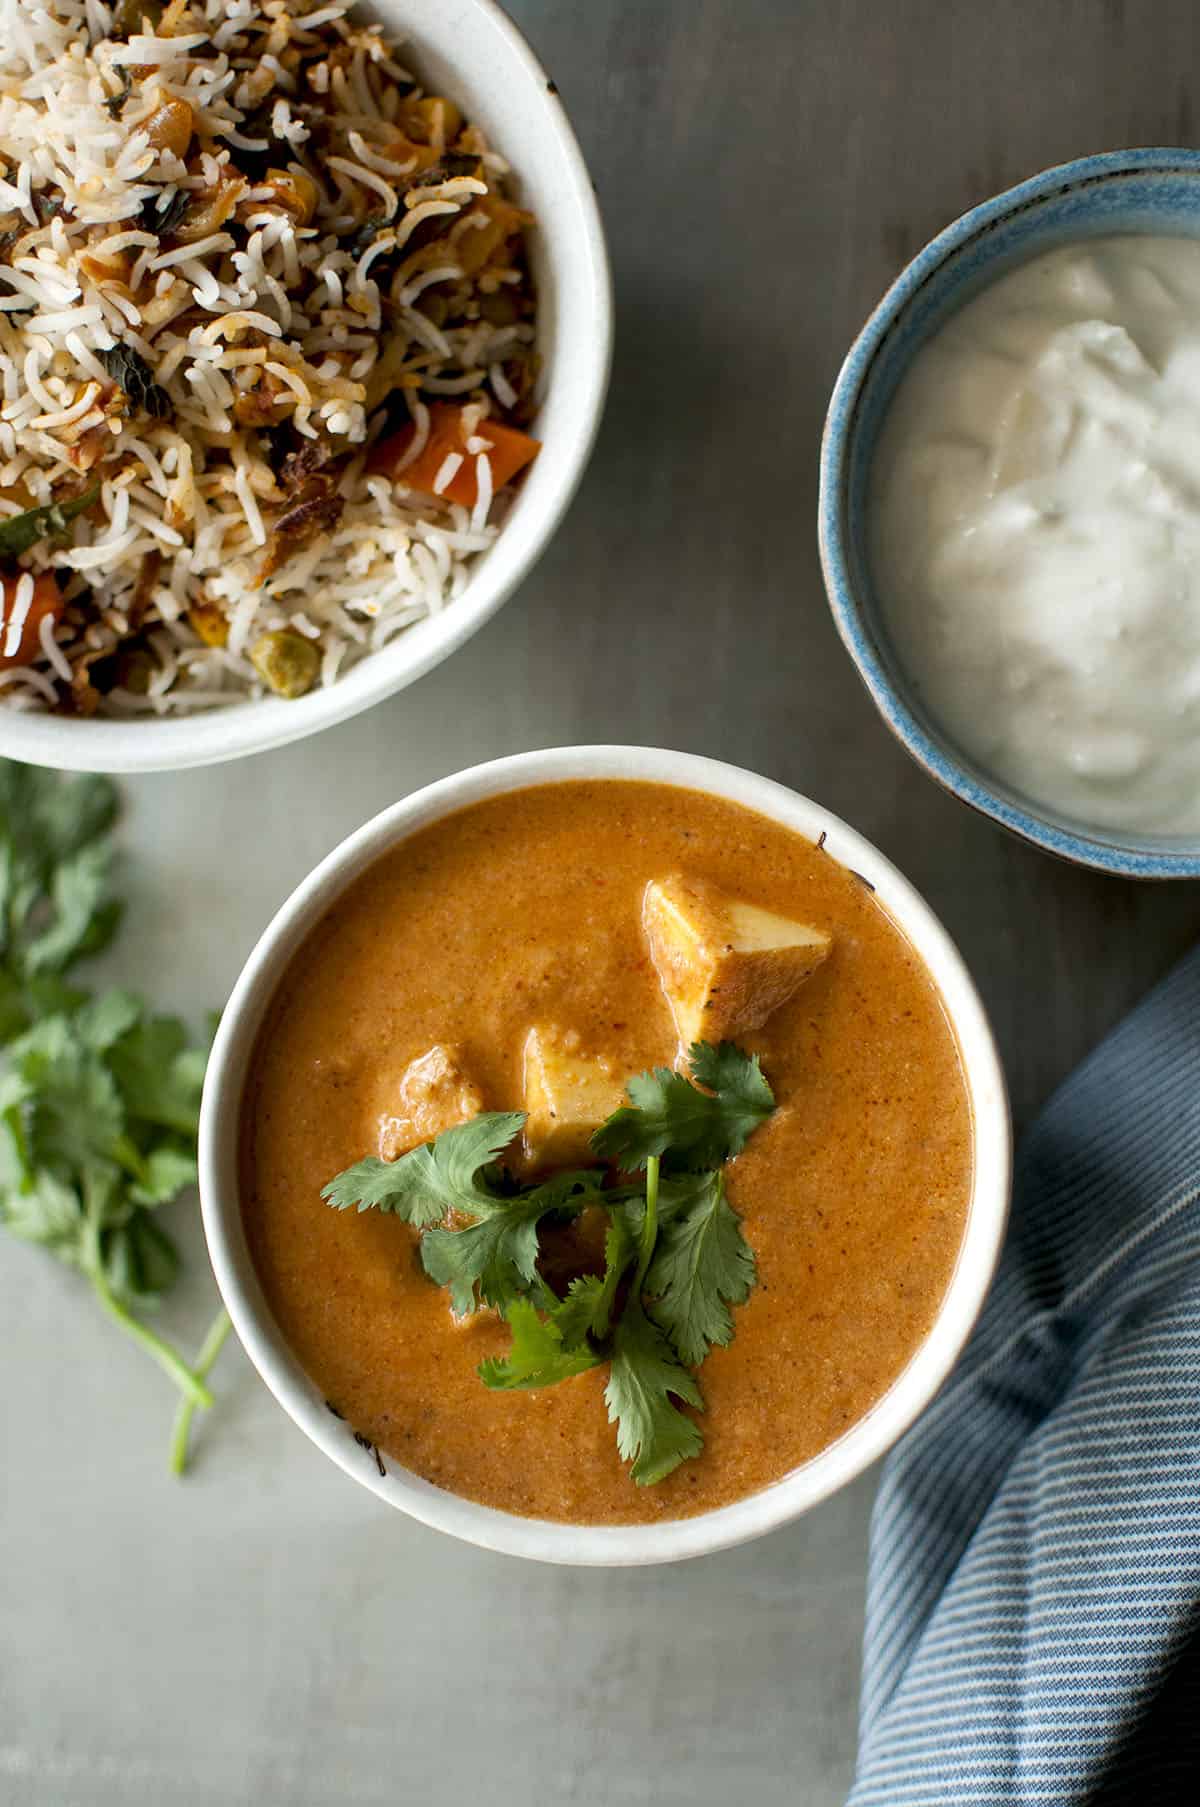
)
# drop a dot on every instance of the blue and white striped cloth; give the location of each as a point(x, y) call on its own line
point(1033, 1616)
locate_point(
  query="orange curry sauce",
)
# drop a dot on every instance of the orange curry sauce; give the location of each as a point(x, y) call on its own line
point(526, 908)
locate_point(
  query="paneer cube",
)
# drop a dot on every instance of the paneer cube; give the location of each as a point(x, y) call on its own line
point(436, 1092)
point(568, 1094)
point(724, 965)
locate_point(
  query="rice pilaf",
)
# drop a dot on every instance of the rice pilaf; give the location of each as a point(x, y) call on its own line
point(266, 350)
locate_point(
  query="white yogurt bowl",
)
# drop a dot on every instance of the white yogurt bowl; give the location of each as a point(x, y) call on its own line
point(603, 1545)
point(1153, 191)
point(471, 51)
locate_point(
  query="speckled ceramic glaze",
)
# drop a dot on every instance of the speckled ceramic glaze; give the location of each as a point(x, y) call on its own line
point(1153, 191)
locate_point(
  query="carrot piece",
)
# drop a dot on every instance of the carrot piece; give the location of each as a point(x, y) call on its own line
point(482, 245)
point(47, 600)
point(508, 452)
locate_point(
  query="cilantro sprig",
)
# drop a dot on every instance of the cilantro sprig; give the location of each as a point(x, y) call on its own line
point(676, 1257)
point(668, 1117)
point(99, 1099)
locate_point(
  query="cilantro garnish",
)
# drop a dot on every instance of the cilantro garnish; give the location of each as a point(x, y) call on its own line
point(676, 1258)
point(701, 1265)
point(541, 1354)
point(645, 1378)
point(99, 1101)
point(493, 1261)
point(436, 1178)
point(670, 1118)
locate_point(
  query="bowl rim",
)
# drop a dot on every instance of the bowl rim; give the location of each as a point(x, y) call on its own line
point(246, 727)
point(863, 1442)
point(938, 758)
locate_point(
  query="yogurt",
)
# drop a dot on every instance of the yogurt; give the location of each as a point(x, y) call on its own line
point(1035, 531)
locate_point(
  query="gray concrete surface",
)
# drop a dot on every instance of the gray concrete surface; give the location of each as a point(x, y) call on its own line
point(266, 1632)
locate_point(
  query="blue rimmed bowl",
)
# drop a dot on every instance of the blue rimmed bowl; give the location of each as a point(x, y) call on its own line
point(1147, 191)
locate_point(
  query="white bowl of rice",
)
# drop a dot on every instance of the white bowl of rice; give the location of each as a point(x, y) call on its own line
point(305, 330)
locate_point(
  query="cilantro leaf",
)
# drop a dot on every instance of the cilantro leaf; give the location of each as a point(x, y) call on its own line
point(550, 1348)
point(540, 1355)
point(645, 1378)
point(166, 1170)
point(140, 1261)
point(50, 995)
point(438, 1177)
point(70, 1107)
point(702, 1264)
point(737, 1082)
point(676, 1229)
point(98, 1102)
point(48, 1213)
point(82, 920)
point(103, 1020)
point(677, 1194)
point(668, 1117)
point(588, 1307)
point(54, 867)
point(38, 808)
point(159, 1074)
point(494, 1260)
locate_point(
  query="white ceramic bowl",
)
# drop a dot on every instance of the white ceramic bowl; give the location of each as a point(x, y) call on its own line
point(470, 50)
point(625, 1544)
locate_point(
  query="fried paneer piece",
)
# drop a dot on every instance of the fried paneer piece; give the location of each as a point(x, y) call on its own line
point(724, 965)
point(568, 1094)
point(436, 1092)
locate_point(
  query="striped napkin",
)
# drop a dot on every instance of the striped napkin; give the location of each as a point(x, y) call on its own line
point(1033, 1615)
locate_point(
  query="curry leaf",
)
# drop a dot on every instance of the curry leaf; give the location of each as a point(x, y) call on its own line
point(162, 220)
point(130, 371)
point(18, 532)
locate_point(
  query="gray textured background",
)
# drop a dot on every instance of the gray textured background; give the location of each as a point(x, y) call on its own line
point(266, 1632)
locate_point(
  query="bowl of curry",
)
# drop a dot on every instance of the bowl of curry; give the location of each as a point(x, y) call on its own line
point(605, 1155)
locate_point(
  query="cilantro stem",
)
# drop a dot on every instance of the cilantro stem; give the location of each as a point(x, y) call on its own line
point(649, 1224)
point(168, 1359)
point(206, 1355)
